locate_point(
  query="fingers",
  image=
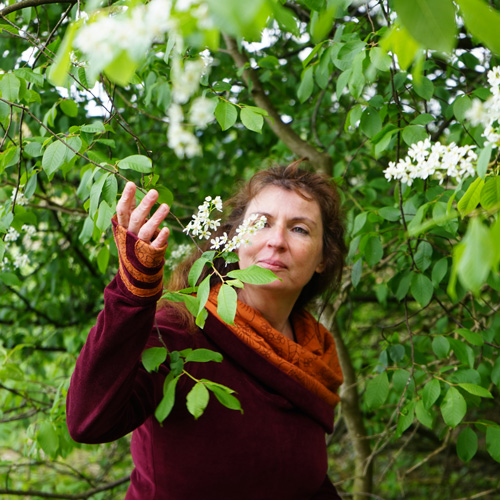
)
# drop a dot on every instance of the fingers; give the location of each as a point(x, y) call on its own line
point(139, 215)
point(126, 204)
point(161, 240)
point(148, 229)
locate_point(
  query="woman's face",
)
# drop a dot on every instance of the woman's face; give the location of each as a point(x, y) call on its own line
point(291, 243)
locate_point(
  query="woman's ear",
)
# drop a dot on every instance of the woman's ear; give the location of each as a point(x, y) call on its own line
point(321, 267)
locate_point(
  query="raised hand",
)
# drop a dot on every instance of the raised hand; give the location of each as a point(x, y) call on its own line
point(133, 218)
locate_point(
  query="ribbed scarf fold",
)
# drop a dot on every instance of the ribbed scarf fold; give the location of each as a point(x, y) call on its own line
point(312, 360)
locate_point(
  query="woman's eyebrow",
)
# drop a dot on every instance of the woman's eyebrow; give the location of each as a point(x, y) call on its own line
point(293, 219)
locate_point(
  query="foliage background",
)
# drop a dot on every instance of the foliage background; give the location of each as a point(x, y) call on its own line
point(349, 84)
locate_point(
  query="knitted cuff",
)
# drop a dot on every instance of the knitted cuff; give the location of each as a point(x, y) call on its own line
point(141, 265)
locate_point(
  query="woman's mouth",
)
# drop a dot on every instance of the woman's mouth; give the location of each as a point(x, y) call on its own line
point(271, 264)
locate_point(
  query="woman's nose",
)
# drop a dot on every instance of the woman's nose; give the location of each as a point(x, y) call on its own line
point(276, 237)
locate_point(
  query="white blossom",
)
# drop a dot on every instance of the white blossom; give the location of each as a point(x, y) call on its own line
point(425, 160)
point(186, 79)
point(179, 253)
point(182, 141)
point(28, 229)
point(12, 235)
point(202, 111)
point(19, 196)
point(21, 260)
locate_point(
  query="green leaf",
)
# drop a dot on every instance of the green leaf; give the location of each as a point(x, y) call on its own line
point(421, 288)
point(377, 390)
point(441, 346)
point(490, 194)
point(165, 195)
point(203, 356)
point(390, 213)
point(466, 444)
point(370, 123)
point(476, 390)
point(224, 397)
point(253, 275)
point(380, 59)
point(495, 373)
point(48, 438)
point(405, 418)
point(58, 72)
point(139, 163)
point(431, 392)
point(167, 402)
point(153, 357)
point(473, 338)
point(470, 200)
point(474, 262)
point(54, 157)
point(493, 442)
point(373, 250)
point(197, 269)
point(482, 21)
point(414, 133)
point(423, 415)
point(251, 120)
point(425, 89)
point(203, 293)
point(356, 272)
point(453, 407)
point(103, 259)
point(197, 400)
point(227, 302)
point(439, 271)
point(104, 217)
point(10, 279)
point(430, 22)
point(226, 114)
point(306, 85)
point(69, 107)
point(94, 128)
point(95, 193)
point(423, 255)
point(121, 69)
point(460, 107)
point(10, 86)
point(110, 190)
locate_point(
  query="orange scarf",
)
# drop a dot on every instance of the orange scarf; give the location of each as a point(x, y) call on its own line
point(312, 360)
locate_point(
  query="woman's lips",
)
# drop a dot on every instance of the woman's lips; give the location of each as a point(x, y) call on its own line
point(273, 265)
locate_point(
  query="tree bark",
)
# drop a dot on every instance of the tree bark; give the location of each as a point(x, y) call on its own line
point(363, 474)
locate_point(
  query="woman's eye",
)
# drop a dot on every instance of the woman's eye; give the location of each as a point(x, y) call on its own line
point(300, 230)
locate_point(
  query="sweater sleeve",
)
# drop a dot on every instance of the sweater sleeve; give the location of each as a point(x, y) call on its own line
point(110, 393)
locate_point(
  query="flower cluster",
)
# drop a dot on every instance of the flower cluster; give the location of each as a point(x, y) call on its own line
point(425, 160)
point(19, 196)
point(202, 226)
point(179, 253)
point(17, 255)
point(487, 113)
point(130, 30)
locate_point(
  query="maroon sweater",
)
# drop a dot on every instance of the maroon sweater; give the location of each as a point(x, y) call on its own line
point(275, 450)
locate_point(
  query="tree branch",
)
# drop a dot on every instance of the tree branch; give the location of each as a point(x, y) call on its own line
point(76, 496)
point(29, 3)
point(321, 161)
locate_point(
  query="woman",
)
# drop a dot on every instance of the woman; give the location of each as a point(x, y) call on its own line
point(279, 360)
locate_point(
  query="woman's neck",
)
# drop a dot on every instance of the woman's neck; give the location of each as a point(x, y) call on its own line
point(275, 309)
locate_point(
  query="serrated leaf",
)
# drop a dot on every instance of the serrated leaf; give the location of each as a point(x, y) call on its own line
point(490, 193)
point(203, 293)
point(441, 346)
point(226, 114)
point(493, 441)
point(224, 397)
point(9, 87)
point(466, 444)
point(306, 85)
point(197, 400)
point(422, 289)
point(470, 200)
point(203, 356)
point(104, 216)
point(473, 338)
point(423, 415)
point(53, 157)
point(453, 407)
point(48, 438)
point(93, 128)
point(227, 301)
point(476, 390)
point(430, 22)
point(153, 357)
point(69, 107)
point(431, 392)
point(483, 161)
point(405, 418)
point(377, 390)
point(139, 163)
point(167, 402)
point(251, 120)
point(253, 275)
